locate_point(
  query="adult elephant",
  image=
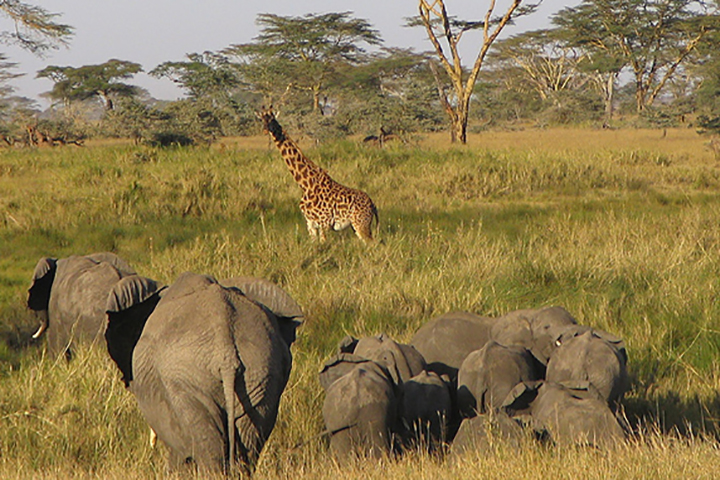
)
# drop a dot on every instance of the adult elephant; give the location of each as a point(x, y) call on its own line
point(445, 341)
point(68, 297)
point(207, 363)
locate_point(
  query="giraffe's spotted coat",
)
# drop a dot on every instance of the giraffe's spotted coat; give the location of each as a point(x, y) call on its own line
point(325, 203)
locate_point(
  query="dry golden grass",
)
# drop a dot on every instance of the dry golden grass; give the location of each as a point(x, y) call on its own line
point(620, 227)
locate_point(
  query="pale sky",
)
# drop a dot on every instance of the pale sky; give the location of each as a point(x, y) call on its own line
point(150, 32)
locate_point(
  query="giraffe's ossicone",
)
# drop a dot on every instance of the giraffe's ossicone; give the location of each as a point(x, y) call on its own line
point(325, 203)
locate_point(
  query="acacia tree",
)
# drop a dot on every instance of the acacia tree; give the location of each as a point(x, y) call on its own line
point(302, 53)
point(441, 28)
point(91, 81)
point(651, 37)
point(35, 28)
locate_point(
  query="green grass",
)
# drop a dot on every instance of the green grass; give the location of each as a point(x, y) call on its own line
point(621, 228)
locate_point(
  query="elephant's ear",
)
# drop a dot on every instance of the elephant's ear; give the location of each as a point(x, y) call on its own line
point(521, 396)
point(275, 299)
point(43, 277)
point(129, 292)
point(347, 344)
point(129, 304)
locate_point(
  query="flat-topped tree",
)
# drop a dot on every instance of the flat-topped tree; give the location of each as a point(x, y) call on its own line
point(301, 53)
point(92, 81)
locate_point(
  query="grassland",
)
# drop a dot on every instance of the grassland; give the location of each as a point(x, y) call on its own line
point(620, 227)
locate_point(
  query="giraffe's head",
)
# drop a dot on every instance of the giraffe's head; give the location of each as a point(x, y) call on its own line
point(270, 124)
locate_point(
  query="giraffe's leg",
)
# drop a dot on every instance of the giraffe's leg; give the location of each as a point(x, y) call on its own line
point(312, 228)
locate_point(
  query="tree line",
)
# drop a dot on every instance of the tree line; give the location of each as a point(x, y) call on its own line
point(602, 62)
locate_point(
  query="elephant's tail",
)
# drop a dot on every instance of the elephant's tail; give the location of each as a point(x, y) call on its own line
point(228, 379)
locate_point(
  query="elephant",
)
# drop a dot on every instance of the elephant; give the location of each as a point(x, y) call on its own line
point(575, 414)
point(425, 409)
point(206, 362)
point(536, 330)
point(445, 341)
point(489, 377)
point(360, 412)
point(585, 354)
point(482, 432)
point(402, 361)
point(339, 365)
point(68, 297)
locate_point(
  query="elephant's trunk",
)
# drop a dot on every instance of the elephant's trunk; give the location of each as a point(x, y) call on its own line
point(43, 316)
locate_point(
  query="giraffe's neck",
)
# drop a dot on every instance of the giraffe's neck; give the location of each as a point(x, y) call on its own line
point(303, 170)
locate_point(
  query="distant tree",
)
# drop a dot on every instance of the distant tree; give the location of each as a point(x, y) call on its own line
point(301, 53)
point(216, 102)
point(92, 81)
point(653, 38)
point(563, 77)
point(393, 91)
point(6, 74)
point(35, 28)
point(442, 29)
point(203, 75)
point(541, 62)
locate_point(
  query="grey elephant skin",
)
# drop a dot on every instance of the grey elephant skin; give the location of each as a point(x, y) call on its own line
point(585, 354)
point(360, 411)
point(575, 414)
point(445, 341)
point(425, 410)
point(534, 329)
point(206, 362)
point(68, 297)
point(380, 398)
point(489, 379)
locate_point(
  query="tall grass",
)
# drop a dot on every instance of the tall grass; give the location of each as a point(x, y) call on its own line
point(621, 228)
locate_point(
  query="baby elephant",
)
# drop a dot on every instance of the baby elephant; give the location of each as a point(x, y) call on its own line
point(425, 410)
point(360, 411)
point(493, 377)
point(68, 297)
point(584, 354)
point(576, 415)
point(447, 340)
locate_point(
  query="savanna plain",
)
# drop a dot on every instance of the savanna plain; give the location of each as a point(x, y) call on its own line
point(621, 227)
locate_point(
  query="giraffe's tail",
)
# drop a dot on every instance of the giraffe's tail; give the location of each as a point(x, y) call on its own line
point(377, 219)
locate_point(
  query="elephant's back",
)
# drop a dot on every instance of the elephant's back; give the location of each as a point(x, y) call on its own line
point(78, 296)
point(445, 341)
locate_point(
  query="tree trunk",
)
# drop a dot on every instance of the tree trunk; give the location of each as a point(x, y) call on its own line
point(458, 131)
point(316, 100)
point(609, 97)
point(460, 121)
point(640, 93)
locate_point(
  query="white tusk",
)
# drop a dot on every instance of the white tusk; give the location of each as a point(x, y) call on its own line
point(153, 438)
point(40, 331)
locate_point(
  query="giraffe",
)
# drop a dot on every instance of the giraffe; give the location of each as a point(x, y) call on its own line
point(325, 203)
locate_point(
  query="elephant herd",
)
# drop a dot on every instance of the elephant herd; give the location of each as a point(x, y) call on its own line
point(466, 380)
point(208, 361)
